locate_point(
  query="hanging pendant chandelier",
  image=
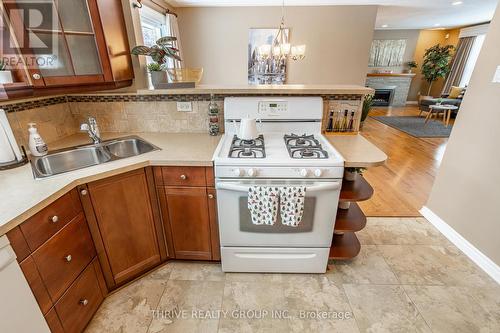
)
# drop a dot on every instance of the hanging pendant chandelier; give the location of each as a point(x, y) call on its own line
point(281, 48)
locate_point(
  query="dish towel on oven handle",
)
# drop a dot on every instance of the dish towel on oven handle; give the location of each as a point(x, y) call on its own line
point(263, 204)
point(292, 205)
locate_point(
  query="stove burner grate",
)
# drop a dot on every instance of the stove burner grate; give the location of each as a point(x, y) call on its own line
point(304, 147)
point(247, 148)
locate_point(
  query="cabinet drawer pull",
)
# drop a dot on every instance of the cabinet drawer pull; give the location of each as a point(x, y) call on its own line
point(183, 177)
point(68, 258)
point(54, 218)
point(84, 302)
point(84, 192)
point(37, 76)
point(211, 196)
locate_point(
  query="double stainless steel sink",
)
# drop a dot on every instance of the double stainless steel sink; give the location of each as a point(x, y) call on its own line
point(80, 157)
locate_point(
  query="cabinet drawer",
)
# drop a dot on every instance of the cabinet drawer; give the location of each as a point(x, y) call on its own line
point(80, 302)
point(64, 256)
point(18, 243)
point(53, 321)
point(51, 219)
point(36, 284)
point(184, 176)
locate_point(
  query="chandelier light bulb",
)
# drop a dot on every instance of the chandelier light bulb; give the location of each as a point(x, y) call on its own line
point(276, 51)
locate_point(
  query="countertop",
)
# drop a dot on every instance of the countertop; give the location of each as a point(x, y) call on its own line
point(298, 89)
point(21, 196)
point(357, 151)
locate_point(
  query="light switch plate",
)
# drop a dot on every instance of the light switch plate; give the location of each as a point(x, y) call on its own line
point(496, 77)
point(184, 106)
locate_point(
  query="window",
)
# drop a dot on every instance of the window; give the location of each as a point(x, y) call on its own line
point(471, 61)
point(154, 25)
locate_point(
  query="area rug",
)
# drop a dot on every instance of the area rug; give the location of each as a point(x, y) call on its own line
point(415, 126)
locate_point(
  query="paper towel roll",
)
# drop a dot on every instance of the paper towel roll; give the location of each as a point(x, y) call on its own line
point(9, 150)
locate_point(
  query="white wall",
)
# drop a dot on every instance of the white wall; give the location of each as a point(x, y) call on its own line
point(466, 193)
point(338, 40)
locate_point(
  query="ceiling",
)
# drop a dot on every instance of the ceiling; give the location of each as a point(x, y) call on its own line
point(396, 14)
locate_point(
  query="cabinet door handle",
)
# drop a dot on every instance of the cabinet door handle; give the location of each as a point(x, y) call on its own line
point(183, 177)
point(68, 258)
point(54, 218)
point(84, 192)
point(211, 196)
point(37, 76)
point(84, 302)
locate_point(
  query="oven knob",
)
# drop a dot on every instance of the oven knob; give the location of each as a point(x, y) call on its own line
point(252, 172)
point(303, 172)
point(318, 172)
point(237, 172)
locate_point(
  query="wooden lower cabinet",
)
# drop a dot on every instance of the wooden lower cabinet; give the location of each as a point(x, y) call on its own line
point(189, 212)
point(77, 306)
point(61, 267)
point(63, 257)
point(124, 225)
point(36, 284)
point(189, 221)
point(54, 322)
point(111, 231)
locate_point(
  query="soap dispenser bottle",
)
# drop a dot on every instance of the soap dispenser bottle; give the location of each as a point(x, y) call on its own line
point(37, 146)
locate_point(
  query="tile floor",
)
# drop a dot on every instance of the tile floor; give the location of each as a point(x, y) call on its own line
point(407, 278)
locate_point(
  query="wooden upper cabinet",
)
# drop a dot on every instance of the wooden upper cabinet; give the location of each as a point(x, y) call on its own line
point(124, 227)
point(78, 42)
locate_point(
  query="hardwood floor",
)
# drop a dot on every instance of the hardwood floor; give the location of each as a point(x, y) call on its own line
point(403, 185)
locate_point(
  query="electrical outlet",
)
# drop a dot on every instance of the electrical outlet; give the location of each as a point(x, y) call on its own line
point(184, 106)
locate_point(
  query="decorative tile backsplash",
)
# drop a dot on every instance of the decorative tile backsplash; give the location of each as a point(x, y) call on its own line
point(60, 116)
point(54, 122)
point(157, 116)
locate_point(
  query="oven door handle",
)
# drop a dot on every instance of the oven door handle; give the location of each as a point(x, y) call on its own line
point(244, 188)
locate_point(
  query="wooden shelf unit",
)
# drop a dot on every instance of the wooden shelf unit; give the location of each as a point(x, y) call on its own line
point(345, 244)
point(350, 220)
point(358, 190)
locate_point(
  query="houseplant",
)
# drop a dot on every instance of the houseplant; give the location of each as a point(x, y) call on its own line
point(436, 63)
point(160, 52)
point(411, 64)
point(367, 105)
point(5, 75)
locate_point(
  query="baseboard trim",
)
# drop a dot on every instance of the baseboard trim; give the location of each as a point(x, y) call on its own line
point(485, 263)
point(411, 102)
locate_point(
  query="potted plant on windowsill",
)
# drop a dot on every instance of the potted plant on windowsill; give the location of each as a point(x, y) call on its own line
point(160, 52)
point(436, 64)
point(5, 75)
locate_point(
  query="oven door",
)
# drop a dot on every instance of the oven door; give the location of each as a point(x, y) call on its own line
point(315, 230)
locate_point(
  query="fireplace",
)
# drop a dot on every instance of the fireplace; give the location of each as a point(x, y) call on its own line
point(383, 96)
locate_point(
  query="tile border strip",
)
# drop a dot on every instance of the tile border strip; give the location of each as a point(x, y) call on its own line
point(26, 105)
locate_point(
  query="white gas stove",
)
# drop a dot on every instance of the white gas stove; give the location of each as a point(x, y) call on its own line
point(290, 151)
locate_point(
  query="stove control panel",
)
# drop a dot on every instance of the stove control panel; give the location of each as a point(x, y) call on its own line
point(279, 172)
point(272, 108)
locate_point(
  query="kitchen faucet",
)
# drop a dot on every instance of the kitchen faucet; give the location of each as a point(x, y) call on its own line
point(92, 130)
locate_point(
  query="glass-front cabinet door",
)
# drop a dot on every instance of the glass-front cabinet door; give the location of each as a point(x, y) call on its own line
point(59, 41)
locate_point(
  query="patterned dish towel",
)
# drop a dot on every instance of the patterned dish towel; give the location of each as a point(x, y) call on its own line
point(263, 204)
point(292, 205)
